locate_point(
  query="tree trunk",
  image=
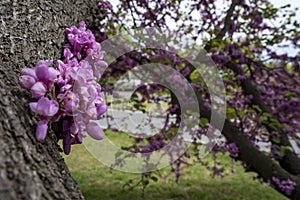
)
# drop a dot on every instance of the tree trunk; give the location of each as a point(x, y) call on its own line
point(29, 31)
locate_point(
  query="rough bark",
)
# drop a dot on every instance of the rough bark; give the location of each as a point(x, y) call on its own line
point(29, 31)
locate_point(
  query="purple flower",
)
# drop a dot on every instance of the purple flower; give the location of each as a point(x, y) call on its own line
point(106, 5)
point(38, 90)
point(45, 73)
point(74, 129)
point(240, 77)
point(76, 90)
point(233, 150)
point(67, 53)
point(27, 81)
point(91, 112)
point(45, 107)
point(287, 186)
point(80, 123)
point(67, 143)
point(101, 109)
point(41, 130)
point(101, 64)
point(78, 139)
point(94, 130)
point(29, 72)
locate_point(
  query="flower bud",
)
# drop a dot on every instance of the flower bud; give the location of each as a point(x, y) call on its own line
point(41, 130)
point(29, 72)
point(27, 81)
point(94, 130)
point(38, 90)
point(101, 109)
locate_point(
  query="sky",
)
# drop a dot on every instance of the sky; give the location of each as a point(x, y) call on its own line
point(294, 4)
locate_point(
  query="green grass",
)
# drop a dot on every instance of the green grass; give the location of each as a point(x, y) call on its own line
point(97, 181)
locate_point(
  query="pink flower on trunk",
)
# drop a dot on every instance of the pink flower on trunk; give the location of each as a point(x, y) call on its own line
point(45, 107)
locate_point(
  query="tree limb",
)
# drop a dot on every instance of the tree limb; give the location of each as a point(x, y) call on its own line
point(259, 162)
point(290, 161)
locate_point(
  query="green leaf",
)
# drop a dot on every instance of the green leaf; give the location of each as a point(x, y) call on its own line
point(256, 108)
point(287, 149)
point(276, 140)
point(203, 122)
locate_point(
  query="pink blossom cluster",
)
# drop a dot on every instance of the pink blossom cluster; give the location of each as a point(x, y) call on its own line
point(68, 93)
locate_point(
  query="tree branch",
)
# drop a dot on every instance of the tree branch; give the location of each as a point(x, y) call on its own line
point(259, 162)
point(227, 24)
point(290, 161)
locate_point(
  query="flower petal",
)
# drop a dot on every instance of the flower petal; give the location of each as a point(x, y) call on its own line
point(67, 143)
point(42, 70)
point(94, 130)
point(101, 109)
point(78, 138)
point(53, 73)
point(46, 107)
point(42, 105)
point(53, 108)
point(73, 128)
point(26, 81)
point(67, 53)
point(41, 130)
point(69, 106)
point(29, 72)
point(101, 64)
point(33, 106)
point(38, 90)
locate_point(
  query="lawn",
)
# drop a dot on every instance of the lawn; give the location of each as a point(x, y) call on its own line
point(97, 181)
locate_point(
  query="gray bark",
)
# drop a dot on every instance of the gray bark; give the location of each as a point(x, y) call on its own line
point(29, 31)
